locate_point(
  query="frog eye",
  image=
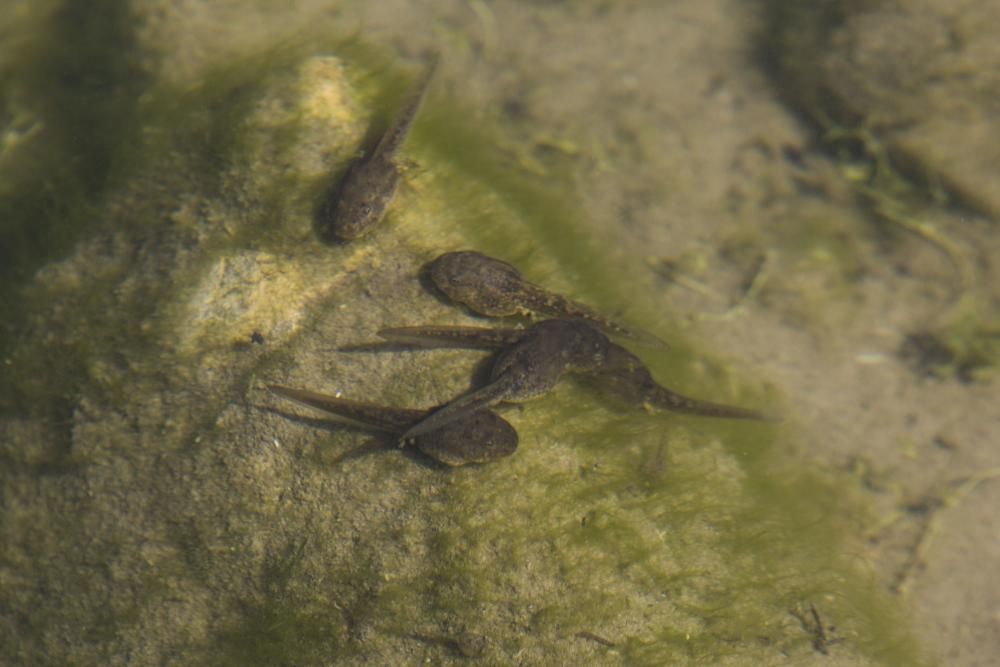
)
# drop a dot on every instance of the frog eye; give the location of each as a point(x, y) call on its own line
point(366, 209)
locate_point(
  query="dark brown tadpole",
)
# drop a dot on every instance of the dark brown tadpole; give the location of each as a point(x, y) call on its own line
point(536, 359)
point(625, 376)
point(494, 288)
point(478, 437)
point(528, 368)
point(366, 190)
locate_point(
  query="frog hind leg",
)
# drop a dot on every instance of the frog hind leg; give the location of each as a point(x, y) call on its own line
point(460, 407)
point(480, 338)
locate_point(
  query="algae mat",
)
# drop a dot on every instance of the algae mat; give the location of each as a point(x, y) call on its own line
point(160, 506)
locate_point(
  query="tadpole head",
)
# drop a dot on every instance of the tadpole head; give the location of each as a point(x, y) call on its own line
point(485, 285)
point(355, 217)
point(481, 437)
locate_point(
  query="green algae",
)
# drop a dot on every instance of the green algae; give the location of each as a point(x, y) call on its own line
point(73, 82)
point(671, 539)
point(657, 515)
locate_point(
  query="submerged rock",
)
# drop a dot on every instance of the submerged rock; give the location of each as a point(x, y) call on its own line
point(159, 506)
point(920, 77)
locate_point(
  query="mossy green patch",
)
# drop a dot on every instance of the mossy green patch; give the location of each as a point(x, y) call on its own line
point(280, 625)
point(77, 78)
point(651, 512)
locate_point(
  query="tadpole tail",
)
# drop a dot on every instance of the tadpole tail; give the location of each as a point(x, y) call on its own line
point(477, 338)
point(393, 420)
point(550, 303)
point(393, 137)
point(661, 397)
point(460, 407)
